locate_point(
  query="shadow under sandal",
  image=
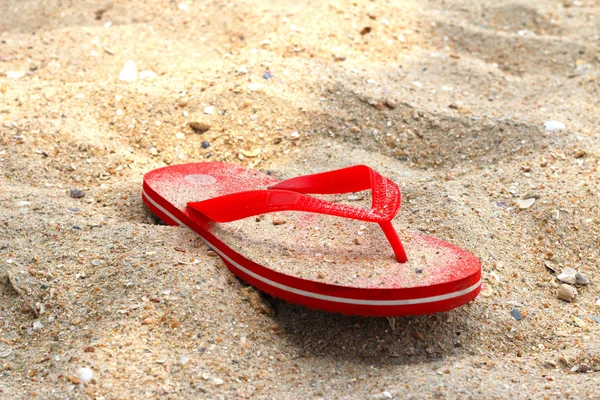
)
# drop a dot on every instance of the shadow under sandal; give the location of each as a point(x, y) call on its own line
point(319, 253)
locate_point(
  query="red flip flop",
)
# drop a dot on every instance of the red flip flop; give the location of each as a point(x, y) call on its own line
point(321, 254)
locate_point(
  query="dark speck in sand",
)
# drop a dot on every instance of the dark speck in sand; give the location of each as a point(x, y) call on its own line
point(77, 193)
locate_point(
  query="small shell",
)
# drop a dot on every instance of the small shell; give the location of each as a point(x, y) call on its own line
point(486, 290)
point(566, 292)
point(5, 352)
point(568, 275)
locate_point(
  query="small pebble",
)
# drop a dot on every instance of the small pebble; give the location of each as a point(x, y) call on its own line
point(294, 135)
point(255, 86)
point(250, 153)
point(579, 322)
point(85, 375)
point(279, 221)
point(516, 314)
point(595, 319)
point(37, 325)
point(209, 110)
point(149, 321)
point(581, 279)
point(581, 368)
point(183, 102)
point(218, 381)
point(554, 126)
point(148, 74)
point(205, 145)
point(15, 74)
point(95, 263)
point(183, 360)
point(580, 154)
point(267, 75)
point(391, 103)
point(77, 193)
point(566, 292)
point(199, 125)
point(526, 203)
point(129, 72)
point(568, 275)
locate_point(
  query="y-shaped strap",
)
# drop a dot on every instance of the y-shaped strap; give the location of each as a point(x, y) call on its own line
point(290, 195)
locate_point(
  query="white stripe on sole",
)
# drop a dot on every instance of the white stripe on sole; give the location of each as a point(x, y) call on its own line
point(269, 282)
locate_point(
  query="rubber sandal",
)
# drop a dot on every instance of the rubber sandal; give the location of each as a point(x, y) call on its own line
point(319, 253)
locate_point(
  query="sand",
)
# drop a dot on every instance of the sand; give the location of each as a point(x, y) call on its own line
point(447, 98)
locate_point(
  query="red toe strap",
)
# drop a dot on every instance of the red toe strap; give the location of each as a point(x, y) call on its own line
point(290, 195)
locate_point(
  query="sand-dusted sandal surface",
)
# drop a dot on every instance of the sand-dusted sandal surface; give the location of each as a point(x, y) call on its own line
point(296, 240)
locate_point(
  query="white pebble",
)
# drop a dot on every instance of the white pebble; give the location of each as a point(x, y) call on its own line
point(183, 360)
point(554, 126)
point(525, 32)
point(242, 70)
point(129, 72)
point(218, 381)
point(523, 204)
point(255, 87)
point(209, 110)
point(15, 74)
point(85, 375)
point(37, 325)
point(148, 74)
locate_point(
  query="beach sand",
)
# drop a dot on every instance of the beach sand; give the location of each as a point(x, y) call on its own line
point(453, 100)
